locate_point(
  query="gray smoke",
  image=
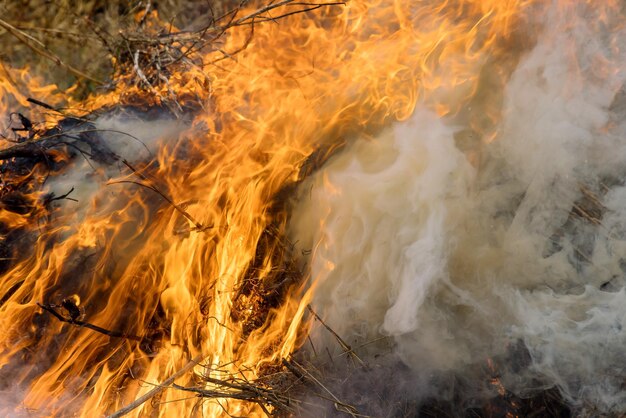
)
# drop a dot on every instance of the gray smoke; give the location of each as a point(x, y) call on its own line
point(122, 135)
point(512, 267)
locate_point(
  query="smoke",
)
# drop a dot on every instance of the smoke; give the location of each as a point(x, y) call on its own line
point(511, 267)
point(101, 146)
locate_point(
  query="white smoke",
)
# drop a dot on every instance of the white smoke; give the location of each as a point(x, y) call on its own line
point(456, 264)
point(118, 136)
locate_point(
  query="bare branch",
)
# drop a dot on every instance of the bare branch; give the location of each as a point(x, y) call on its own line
point(156, 390)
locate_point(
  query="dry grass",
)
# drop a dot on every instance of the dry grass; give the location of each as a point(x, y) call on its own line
point(79, 33)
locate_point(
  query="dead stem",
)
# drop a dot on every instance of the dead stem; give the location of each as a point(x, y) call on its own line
point(82, 324)
point(197, 225)
point(39, 48)
point(347, 349)
point(301, 372)
point(156, 390)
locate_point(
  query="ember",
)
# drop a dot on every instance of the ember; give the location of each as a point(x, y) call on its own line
point(319, 209)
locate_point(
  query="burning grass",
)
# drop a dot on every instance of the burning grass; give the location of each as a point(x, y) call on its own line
point(146, 263)
point(39, 155)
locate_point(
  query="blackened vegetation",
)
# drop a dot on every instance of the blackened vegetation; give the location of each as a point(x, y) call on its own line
point(546, 404)
point(33, 156)
point(25, 166)
point(585, 217)
point(390, 390)
point(335, 385)
point(258, 295)
point(485, 395)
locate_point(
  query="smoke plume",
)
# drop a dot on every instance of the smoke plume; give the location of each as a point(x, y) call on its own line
point(436, 265)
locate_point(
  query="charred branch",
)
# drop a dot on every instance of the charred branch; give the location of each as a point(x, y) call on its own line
point(31, 150)
point(41, 49)
point(74, 313)
point(42, 104)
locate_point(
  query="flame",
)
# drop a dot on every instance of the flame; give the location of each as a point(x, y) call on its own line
point(217, 285)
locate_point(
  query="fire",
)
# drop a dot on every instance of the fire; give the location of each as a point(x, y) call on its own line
point(209, 276)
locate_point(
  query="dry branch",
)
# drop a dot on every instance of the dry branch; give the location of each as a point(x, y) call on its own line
point(241, 390)
point(150, 55)
point(156, 390)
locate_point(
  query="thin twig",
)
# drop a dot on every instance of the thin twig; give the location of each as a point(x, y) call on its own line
point(340, 340)
point(39, 48)
point(198, 226)
point(156, 390)
point(304, 373)
point(56, 32)
point(82, 324)
point(64, 196)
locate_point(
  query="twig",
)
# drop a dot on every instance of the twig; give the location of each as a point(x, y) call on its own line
point(198, 226)
point(340, 340)
point(313, 6)
point(241, 390)
point(156, 390)
point(56, 32)
point(304, 373)
point(82, 324)
point(577, 209)
point(42, 104)
point(272, 6)
point(64, 196)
